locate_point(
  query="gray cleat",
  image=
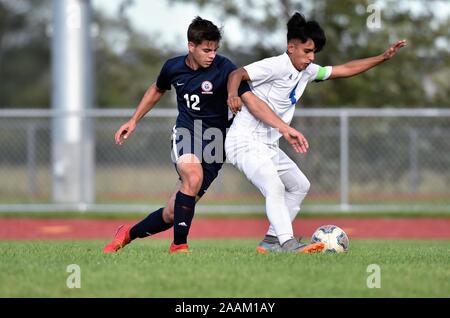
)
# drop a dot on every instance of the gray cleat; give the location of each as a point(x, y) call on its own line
point(268, 245)
point(293, 246)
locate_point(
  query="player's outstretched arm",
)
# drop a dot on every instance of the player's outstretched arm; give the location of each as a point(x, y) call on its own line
point(151, 97)
point(359, 66)
point(263, 112)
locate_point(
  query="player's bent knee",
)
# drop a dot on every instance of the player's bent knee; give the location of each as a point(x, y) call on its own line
point(305, 185)
point(302, 185)
point(191, 183)
point(188, 159)
point(194, 180)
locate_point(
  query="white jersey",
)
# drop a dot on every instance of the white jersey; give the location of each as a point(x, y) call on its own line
point(277, 82)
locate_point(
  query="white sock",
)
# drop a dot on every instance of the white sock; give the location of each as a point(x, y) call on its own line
point(297, 186)
point(284, 237)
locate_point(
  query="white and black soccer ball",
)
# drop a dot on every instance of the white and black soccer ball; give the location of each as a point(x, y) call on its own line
point(335, 239)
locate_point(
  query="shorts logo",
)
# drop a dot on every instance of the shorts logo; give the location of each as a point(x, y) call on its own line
point(207, 87)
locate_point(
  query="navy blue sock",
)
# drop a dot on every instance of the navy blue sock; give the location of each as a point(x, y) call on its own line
point(152, 224)
point(183, 215)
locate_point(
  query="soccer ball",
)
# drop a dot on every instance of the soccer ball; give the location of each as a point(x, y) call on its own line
point(335, 239)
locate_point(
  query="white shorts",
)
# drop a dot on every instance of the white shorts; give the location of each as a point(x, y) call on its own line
point(277, 177)
point(248, 153)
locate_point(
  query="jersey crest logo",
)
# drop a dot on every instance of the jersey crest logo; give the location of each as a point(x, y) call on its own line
point(207, 87)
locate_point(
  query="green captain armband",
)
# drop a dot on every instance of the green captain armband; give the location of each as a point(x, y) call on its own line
point(321, 74)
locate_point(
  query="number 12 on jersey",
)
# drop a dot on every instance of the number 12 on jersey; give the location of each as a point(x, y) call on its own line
point(195, 99)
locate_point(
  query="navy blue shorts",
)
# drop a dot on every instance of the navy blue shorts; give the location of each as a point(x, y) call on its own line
point(207, 148)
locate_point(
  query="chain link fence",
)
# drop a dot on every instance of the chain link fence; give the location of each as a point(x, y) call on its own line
point(359, 159)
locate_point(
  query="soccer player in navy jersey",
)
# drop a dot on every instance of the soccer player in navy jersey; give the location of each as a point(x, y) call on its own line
point(200, 80)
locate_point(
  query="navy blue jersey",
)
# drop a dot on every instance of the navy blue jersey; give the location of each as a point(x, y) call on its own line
point(202, 93)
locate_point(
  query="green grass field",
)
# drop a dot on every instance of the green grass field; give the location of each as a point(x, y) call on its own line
point(223, 268)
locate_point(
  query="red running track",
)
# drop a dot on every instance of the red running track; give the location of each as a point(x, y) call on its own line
point(367, 228)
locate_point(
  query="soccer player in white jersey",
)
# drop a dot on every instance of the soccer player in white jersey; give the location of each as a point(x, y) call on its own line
point(252, 145)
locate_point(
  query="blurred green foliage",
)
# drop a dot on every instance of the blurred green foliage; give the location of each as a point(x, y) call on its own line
point(127, 61)
point(24, 53)
point(416, 77)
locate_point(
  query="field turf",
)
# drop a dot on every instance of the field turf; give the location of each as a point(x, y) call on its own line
point(223, 268)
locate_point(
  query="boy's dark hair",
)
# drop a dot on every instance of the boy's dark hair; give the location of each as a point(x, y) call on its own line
point(300, 29)
point(203, 30)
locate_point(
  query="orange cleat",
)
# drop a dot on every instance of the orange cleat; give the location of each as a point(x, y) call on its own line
point(181, 248)
point(312, 248)
point(121, 238)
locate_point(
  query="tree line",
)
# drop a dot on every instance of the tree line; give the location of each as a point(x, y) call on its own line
point(416, 77)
